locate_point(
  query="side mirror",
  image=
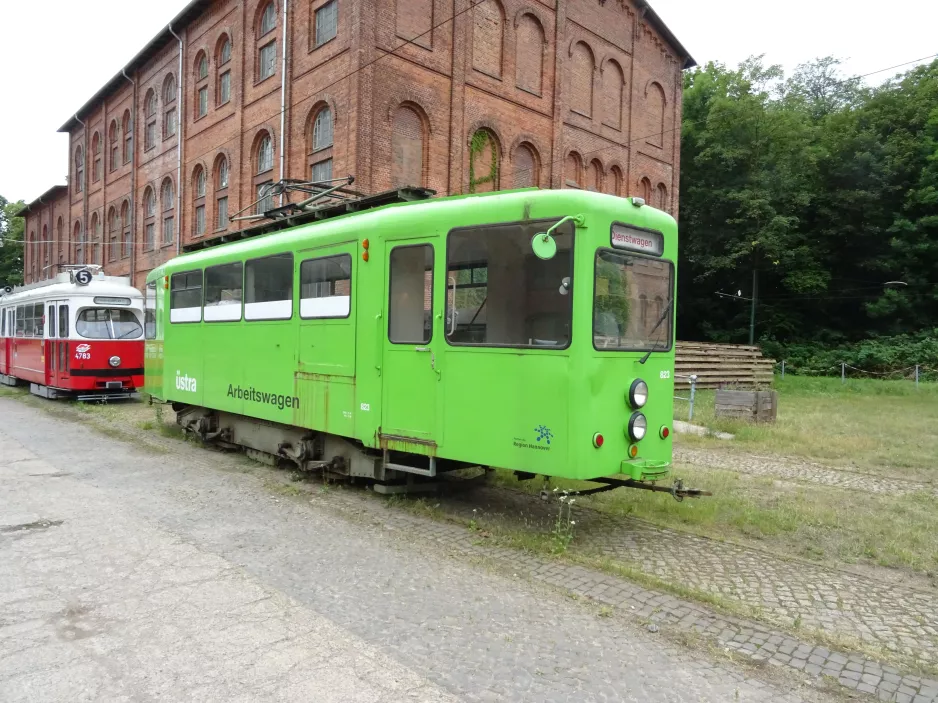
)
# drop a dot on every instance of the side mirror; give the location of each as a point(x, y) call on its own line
point(543, 244)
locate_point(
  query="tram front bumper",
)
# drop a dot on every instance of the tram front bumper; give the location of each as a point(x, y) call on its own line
point(645, 469)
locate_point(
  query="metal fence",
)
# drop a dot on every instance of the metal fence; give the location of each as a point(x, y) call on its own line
point(693, 393)
point(909, 373)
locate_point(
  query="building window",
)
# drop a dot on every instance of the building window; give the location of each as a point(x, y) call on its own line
point(221, 193)
point(198, 200)
point(321, 171)
point(149, 110)
point(95, 158)
point(265, 199)
point(79, 170)
point(327, 22)
point(96, 240)
point(125, 238)
point(128, 136)
point(167, 202)
point(407, 148)
point(113, 231)
point(202, 67)
point(322, 130)
point(149, 219)
point(267, 60)
point(169, 111)
point(223, 59)
point(203, 101)
point(78, 238)
point(265, 155)
point(268, 20)
point(114, 147)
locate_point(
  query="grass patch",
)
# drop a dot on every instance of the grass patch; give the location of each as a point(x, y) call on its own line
point(827, 525)
point(883, 426)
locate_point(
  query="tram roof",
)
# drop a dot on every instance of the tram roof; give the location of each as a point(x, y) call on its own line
point(62, 287)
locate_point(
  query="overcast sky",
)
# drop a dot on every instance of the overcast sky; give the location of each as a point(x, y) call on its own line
point(49, 74)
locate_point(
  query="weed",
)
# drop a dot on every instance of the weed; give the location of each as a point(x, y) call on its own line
point(605, 611)
point(562, 533)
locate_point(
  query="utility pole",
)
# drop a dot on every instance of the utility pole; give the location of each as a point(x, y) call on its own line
point(752, 313)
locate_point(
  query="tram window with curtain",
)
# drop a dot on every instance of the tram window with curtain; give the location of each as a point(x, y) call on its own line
point(52, 320)
point(268, 288)
point(326, 287)
point(63, 321)
point(21, 321)
point(223, 288)
point(501, 294)
point(185, 297)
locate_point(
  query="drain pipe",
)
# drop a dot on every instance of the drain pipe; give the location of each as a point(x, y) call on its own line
point(133, 181)
point(283, 93)
point(180, 121)
point(84, 186)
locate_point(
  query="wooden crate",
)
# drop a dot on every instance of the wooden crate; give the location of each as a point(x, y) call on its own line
point(756, 406)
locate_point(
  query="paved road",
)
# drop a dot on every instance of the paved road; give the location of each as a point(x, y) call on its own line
point(130, 575)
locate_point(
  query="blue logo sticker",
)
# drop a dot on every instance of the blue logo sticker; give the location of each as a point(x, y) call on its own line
point(543, 433)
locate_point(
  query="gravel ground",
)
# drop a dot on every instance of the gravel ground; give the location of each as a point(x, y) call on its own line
point(133, 574)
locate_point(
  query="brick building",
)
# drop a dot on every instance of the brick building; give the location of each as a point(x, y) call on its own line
point(447, 94)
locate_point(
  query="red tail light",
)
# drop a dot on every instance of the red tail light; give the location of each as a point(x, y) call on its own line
point(598, 440)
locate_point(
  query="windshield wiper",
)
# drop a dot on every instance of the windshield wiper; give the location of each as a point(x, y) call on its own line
point(664, 316)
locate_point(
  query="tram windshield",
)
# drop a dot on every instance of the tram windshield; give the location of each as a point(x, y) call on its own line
point(632, 308)
point(108, 323)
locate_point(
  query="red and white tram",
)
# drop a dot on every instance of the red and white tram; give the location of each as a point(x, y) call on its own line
point(77, 335)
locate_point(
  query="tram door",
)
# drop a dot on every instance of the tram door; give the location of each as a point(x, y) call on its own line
point(413, 340)
point(57, 358)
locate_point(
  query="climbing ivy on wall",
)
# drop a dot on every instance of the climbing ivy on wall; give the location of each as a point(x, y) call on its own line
point(479, 142)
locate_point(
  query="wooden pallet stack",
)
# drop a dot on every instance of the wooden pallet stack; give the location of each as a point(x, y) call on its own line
point(722, 365)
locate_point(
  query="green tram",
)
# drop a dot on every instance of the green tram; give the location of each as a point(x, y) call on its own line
point(528, 330)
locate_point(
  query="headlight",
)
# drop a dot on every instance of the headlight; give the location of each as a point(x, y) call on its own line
point(114, 361)
point(638, 394)
point(638, 426)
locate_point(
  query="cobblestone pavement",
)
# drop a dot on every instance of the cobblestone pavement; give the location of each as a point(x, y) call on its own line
point(794, 470)
point(127, 574)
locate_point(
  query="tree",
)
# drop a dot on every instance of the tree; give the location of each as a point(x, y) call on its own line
point(11, 243)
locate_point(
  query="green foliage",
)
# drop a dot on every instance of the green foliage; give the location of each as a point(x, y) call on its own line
point(11, 244)
point(480, 141)
point(824, 188)
point(891, 356)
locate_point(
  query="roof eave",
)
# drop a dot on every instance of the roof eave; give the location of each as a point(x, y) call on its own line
point(655, 19)
point(47, 196)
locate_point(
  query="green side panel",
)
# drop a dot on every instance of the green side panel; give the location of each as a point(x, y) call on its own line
point(508, 409)
point(327, 403)
point(184, 361)
point(226, 365)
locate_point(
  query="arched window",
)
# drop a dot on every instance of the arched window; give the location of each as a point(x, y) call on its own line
point(114, 147)
point(654, 96)
point(613, 84)
point(484, 156)
point(407, 148)
point(525, 167)
point(169, 106)
point(79, 169)
point(221, 193)
point(320, 144)
point(646, 190)
point(127, 130)
point(167, 202)
point(198, 201)
point(643, 309)
point(572, 168)
point(125, 234)
point(581, 65)
point(95, 157)
point(661, 197)
point(264, 164)
point(96, 240)
point(60, 241)
point(488, 34)
point(223, 70)
point(149, 219)
point(201, 85)
point(267, 42)
point(44, 248)
point(78, 239)
point(149, 111)
point(113, 231)
point(615, 181)
point(595, 176)
point(530, 45)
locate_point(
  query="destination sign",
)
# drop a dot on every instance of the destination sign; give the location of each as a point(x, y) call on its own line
point(625, 237)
